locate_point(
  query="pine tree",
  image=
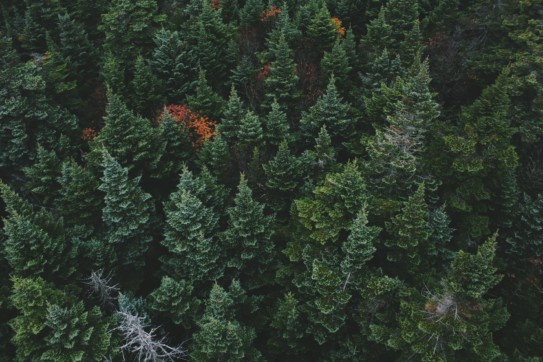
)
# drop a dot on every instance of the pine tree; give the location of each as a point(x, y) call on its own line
point(250, 133)
point(189, 232)
point(215, 154)
point(126, 214)
point(335, 63)
point(321, 29)
point(129, 27)
point(329, 111)
point(283, 176)
point(176, 148)
point(232, 117)
point(324, 152)
point(42, 175)
point(248, 235)
point(480, 153)
point(76, 48)
point(221, 337)
point(360, 244)
point(377, 36)
point(334, 204)
point(73, 333)
point(410, 231)
point(146, 95)
point(280, 84)
point(250, 13)
point(79, 202)
point(173, 64)
point(205, 100)
point(174, 300)
point(36, 244)
point(276, 126)
point(131, 139)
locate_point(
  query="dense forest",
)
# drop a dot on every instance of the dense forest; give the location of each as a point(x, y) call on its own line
point(262, 180)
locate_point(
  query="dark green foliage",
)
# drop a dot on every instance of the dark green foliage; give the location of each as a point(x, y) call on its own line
point(130, 138)
point(189, 232)
point(205, 100)
point(380, 145)
point(36, 243)
point(280, 84)
point(220, 335)
point(126, 214)
point(146, 94)
point(249, 233)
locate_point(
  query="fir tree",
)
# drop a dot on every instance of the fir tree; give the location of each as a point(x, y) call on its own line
point(205, 100)
point(249, 234)
point(146, 96)
point(335, 63)
point(131, 139)
point(189, 232)
point(42, 175)
point(36, 243)
point(280, 84)
point(173, 299)
point(126, 214)
point(177, 148)
point(276, 126)
point(232, 117)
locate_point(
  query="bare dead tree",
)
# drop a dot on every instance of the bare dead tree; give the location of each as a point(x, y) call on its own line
point(101, 287)
point(146, 346)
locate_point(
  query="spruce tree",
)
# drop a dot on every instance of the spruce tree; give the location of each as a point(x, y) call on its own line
point(173, 64)
point(146, 95)
point(281, 82)
point(232, 116)
point(336, 63)
point(248, 235)
point(205, 100)
point(221, 336)
point(190, 232)
point(276, 126)
point(176, 147)
point(42, 175)
point(174, 300)
point(127, 213)
point(36, 243)
point(330, 111)
point(130, 138)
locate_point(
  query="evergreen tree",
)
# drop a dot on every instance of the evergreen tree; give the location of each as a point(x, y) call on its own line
point(79, 202)
point(173, 64)
point(221, 336)
point(321, 29)
point(73, 333)
point(248, 235)
point(329, 111)
point(36, 244)
point(129, 27)
point(334, 204)
point(173, 299)
point(131, 139)
point(335, 63)
point(276, 126)
point(283, 176)
point(176, 147)
point(76, 48)
point(146, 96)
point(360, 244)
point(126, 214)
point(205, 100)
point(232, 117)
point(189, 232)
point(42, 175)
point(410, 231)
point(250, 133)
point(280, 84)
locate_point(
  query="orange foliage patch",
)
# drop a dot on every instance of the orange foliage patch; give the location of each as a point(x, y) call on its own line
point(89, 134)
point(269, 13)
point(200, 127)
point(337, 24)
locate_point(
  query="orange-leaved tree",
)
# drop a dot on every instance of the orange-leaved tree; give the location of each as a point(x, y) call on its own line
point(201, 128)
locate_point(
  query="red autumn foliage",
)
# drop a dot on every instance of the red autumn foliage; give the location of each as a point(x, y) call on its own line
point(266, 14)
point(216, 4)
point(200, 127)
point(264, 71)
point(337, 24)
point(89, 134)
